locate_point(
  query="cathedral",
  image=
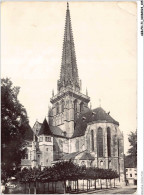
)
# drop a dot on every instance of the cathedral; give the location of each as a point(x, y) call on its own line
point(74, 131)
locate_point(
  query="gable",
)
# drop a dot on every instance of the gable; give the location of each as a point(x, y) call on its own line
point(45, 129)
point(36, 127)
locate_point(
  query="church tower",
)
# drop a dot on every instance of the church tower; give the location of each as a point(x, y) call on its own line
point(45, 139)
point(69, 102)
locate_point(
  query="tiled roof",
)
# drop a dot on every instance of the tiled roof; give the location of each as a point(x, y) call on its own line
point(45, 129)
point(25, 162)
point(97, 115)
point(87, 156)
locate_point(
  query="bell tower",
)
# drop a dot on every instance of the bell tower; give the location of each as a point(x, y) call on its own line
point(69, 102)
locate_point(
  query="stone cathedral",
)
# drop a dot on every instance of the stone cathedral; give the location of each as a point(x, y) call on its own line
point(89, 137)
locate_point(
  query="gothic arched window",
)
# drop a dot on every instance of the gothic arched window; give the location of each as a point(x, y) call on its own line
point(109, 141)
point(57, 108)
point(62, 106)
point(61, 145)
point(67, 103)
point(92, 140)
point(81, 107)
point(100, 142)
point(75, 105)
point(77, 145)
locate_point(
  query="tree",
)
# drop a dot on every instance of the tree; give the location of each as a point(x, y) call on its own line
point(63, 171)
point(133, 149)
point(14, 126)
point(23, 176)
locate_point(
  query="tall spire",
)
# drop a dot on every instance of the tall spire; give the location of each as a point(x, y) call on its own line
point(69, 71)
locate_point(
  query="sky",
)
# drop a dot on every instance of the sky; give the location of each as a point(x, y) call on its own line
point(105, 36)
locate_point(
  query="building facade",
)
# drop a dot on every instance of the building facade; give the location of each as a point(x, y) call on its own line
point(74, 131)
point(131, 175)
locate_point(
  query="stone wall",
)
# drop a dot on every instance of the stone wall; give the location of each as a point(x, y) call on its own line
point(60, 147)
point(46, 149)
point(65, 119)
point(77, 144)
point(116, 159)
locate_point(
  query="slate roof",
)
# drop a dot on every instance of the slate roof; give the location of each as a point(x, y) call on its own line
point(87, 156)
point(45, 129)
point(52, 130)
point(70, 156)
point(57, 131)
point(97, 115)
